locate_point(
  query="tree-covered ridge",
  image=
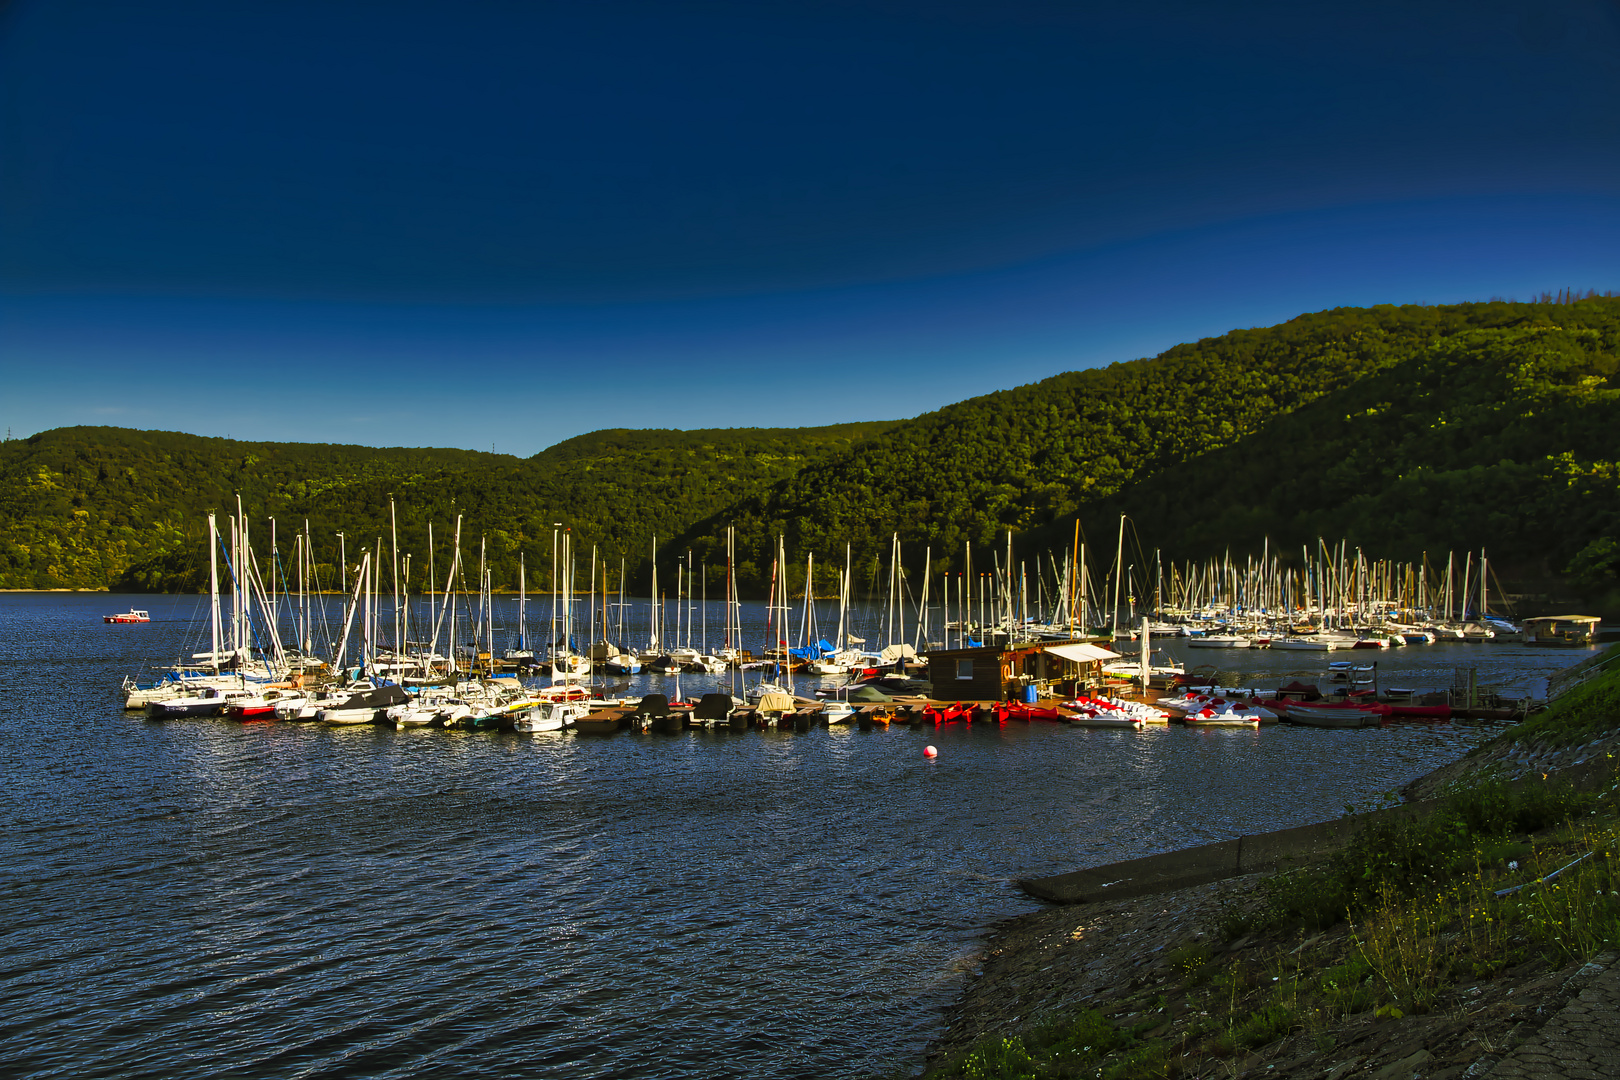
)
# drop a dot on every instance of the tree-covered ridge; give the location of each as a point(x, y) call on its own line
point(1030, 458)
point(1402, 428)
point(1506, 438)
point(92, 507)
point(80, 506)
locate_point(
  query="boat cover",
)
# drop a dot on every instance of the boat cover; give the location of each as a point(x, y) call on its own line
point(713, 707)
point(653, 705)
point(380, 698)
point(1081, 652)
point(896, 652)
point(819, 649)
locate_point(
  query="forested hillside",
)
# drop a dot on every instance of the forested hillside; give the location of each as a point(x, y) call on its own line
point(100, 507)
point(1506, 439)
point(1402, 429)
point(1225, 441)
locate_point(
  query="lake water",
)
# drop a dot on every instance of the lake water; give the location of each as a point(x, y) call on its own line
point(208, 899)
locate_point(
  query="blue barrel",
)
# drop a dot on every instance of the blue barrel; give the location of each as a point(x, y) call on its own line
point(1029, 694)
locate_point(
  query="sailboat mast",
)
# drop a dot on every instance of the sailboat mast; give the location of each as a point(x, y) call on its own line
point(781, 556)
point(213, 586)
point(843, 600)
point(393, 548)
point(568, 591)
point(922, 608)
point(309, 579)
point(804, 612)
point(551, 638)
point(1078, 579)
point(450, 599)
point(964, 597)
point(271, 604)
point(433, 613)
point(1119, 569)
point(899, 594)
point(366, 644)
point(483, 596)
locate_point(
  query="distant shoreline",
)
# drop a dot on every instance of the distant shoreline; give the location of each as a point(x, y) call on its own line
point(101, 589)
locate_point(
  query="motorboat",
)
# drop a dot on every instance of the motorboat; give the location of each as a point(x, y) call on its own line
point(624, 663)
point(1335, 714)
point(773, 706)
point(133, 615)
point(838, 712)
point(1312, 643)
point(551, 716)
point(1218, 641)
point(718, 710)
point(761, 690)
point(601, 722)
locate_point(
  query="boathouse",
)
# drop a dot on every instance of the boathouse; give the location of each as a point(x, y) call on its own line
point(1002, 673)
point(1574, 630)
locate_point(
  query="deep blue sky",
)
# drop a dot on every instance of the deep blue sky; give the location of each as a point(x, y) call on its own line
point(473, 223)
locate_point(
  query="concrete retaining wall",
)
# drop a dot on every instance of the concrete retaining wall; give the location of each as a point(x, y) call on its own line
point(1261, 853)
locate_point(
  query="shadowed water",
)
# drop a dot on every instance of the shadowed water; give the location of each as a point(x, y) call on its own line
point(203, 898)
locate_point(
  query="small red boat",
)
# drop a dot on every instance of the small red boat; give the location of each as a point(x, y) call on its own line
point(948, 714)
point(1019, 711)
point(132, 615)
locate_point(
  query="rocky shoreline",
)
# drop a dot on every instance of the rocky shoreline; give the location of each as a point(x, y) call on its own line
point(1121, 957)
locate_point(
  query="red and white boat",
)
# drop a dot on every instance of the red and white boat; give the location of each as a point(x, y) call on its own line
point(265, 707)
point(132, 615)
point(1225, 714)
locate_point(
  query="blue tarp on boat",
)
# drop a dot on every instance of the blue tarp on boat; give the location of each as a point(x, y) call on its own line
point(814, 652)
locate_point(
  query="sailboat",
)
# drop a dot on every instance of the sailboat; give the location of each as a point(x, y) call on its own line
point(522, 656)
point(840, 660)
point(230, 672)
point(776, 624)
point(566, 665)
point(620, 661)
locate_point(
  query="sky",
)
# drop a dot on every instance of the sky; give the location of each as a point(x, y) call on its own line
point(497, 225)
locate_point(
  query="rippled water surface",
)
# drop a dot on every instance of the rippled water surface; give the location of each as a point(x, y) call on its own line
point(202, 898)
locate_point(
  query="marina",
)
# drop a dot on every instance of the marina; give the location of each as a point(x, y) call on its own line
point(1011, 652)
point(417, 875)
